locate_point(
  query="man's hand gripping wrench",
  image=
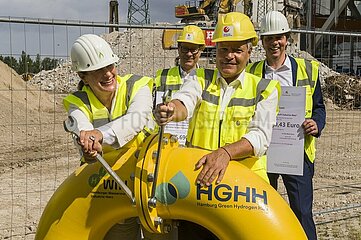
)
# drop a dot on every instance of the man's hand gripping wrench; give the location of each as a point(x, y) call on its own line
point(70, 125)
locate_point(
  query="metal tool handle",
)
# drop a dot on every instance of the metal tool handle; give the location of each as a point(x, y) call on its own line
point(70, 125)
point(167, 96)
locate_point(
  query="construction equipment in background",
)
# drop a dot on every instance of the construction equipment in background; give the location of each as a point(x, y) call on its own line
point(113, 15)
point(205, 13)
point(27, 76)
point(202, 14)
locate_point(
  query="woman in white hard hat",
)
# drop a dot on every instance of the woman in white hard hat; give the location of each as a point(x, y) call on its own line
point(111, 111)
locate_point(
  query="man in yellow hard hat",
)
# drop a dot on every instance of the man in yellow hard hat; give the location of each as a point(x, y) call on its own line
point(232, 111)
point(291, 71)
point(190, 45)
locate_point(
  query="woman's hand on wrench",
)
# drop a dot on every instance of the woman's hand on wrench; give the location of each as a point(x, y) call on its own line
point(91, 143)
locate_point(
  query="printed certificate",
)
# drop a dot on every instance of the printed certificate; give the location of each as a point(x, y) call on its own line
point(285, 154)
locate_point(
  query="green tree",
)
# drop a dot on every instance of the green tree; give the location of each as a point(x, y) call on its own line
point(27, 65)
point(49, 63)
point(36, 67)
point(11, 62)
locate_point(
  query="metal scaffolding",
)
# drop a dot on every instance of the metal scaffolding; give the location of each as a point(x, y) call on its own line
point(138, 12)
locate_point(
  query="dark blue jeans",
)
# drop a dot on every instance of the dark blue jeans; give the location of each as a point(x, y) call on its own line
point(300, 194)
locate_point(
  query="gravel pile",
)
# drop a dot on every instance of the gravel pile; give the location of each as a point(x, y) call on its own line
point(140, 52)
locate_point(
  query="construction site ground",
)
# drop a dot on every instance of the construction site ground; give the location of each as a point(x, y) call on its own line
point(37, 155)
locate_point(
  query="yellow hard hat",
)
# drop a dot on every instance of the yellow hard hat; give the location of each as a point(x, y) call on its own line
point(192, 34)
point(235, 26)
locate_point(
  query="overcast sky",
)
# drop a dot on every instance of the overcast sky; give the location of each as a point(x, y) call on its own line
point(86, 10)
point(17, 37)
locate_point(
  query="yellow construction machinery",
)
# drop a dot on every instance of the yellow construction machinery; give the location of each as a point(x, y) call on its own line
point(203, 14)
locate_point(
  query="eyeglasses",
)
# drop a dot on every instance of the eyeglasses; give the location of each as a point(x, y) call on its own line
point(194, 51)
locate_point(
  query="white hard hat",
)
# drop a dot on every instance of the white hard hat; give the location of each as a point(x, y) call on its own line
point(91, 52)
point(274, 23)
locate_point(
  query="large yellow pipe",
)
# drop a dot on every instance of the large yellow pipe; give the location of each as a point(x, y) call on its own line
point(243, 206)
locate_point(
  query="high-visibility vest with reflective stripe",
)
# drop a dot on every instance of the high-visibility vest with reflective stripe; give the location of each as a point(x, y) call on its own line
point(171, 78)
point(168, 79)
point(306, 76)
point(98, 114)
point(165, 79)
point(208, 131)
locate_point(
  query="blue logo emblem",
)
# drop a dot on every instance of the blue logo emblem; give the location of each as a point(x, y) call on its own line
point(178, 187)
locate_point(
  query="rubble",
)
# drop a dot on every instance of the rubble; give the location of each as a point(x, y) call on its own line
point(140, 52)
point(343, 90)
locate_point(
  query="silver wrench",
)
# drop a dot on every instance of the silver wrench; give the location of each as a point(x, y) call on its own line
point(70, 125)
point(167, 96)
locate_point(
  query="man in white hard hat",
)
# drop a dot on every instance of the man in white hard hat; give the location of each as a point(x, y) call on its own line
point(232, 111)
point(291, 71)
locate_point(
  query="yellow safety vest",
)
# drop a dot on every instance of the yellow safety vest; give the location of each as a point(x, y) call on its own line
point(306, 76)
point(98, 114)
point(208, 131)
point(168, 79)
point(171, 79)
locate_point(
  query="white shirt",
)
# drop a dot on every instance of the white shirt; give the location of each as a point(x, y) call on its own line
point(283, 74)
point(120, 131)
point(259, 129)
point(184, 75)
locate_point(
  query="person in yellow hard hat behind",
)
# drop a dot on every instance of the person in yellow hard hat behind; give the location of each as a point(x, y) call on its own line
point(190, 45)
point(290, 71)
point(232, 111)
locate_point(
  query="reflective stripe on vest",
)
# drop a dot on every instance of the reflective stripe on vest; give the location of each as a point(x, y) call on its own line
point(306, 76)
point(168, 79)
point(96, 112)
point(205, 131)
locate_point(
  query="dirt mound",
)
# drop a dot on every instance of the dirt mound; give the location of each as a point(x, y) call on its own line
point(27, 114)
point(18, 97)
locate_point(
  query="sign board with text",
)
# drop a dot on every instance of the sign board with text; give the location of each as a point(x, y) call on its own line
point(285, 154)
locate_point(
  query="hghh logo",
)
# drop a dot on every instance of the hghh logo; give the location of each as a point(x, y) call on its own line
point(225, 193)
point(94, 179)
point(178, 187)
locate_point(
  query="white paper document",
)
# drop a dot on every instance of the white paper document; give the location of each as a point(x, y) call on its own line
point(285, 154)
point(178, 129)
